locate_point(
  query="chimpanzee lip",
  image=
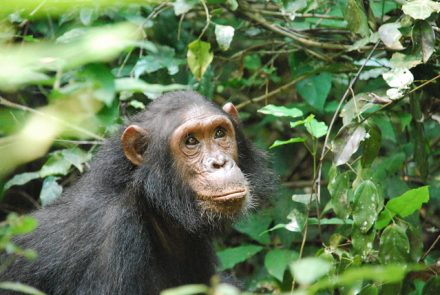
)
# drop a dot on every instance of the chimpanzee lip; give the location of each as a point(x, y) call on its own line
point(234, 195)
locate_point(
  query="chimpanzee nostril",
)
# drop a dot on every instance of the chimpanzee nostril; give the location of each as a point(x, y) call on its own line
point(217, 162)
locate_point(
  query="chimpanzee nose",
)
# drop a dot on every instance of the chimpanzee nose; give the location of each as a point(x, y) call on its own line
point(217, 162)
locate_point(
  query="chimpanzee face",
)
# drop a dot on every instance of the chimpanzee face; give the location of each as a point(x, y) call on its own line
point(205, 154)
point(204, 148)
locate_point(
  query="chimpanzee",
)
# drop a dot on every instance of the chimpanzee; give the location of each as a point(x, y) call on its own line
point(141, 220)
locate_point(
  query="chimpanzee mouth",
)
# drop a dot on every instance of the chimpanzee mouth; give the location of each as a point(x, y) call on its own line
point(231, 196)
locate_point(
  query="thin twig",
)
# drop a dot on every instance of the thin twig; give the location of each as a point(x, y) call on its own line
point(272, 93)
point(282, 31)
point(430, 248)
point(317, 181)
point(208, 18)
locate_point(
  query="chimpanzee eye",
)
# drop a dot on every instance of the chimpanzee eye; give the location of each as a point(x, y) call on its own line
point(191, 140)
point(220, 132)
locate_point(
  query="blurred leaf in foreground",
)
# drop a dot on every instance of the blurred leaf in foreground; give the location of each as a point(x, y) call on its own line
point(27, 63)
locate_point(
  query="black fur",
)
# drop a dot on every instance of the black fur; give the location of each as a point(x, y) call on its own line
point(123, 229)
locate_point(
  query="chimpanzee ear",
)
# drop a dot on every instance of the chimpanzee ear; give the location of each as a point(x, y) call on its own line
point(231, 110)
point(132, 140)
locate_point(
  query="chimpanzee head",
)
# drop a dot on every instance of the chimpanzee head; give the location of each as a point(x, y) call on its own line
point(192, 161)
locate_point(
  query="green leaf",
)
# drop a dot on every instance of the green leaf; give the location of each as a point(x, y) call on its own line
point(18, 287)
point(394, 245)
point(356, 18)
point(314, 90)
point(297, 217)
point(304, 198)
point(55, 165)
point(232, 256)
point(22, 178)
point(252, 62)
point(423, 37)
point(280, 111)
point(400, 60)
point(103, 82)
point(384, 219)
point(50, 191)
point(277, 260)
point(21, 224)
point(371, 146)
point(137, 104)
point(224, 35)
point(254, 225)
point(283, 142)
point(308, 270)
point(420, 9)
point(366, 205)
point(403, 205)
point(363, 243)
point(315, 128)
point(77, 157)
point(187, 290)
point(338, 189)
point(409, 202)
point(199, 57)
point(162, 57)
point(380, 274)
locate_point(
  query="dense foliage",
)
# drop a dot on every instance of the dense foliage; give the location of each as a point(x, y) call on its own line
point(345, 93)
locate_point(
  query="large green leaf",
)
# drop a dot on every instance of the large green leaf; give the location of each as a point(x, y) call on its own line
point(409, 202)
point(366, 205)
point(314, 90)
point(232, 256)
point(199, 57)
point(277, 260)
point(423, 39)
point(338, 189)
point(394, 245)
point(254, 225)
point(403, 205)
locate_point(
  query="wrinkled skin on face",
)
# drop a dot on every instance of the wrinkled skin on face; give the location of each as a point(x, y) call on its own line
point(205, 150)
